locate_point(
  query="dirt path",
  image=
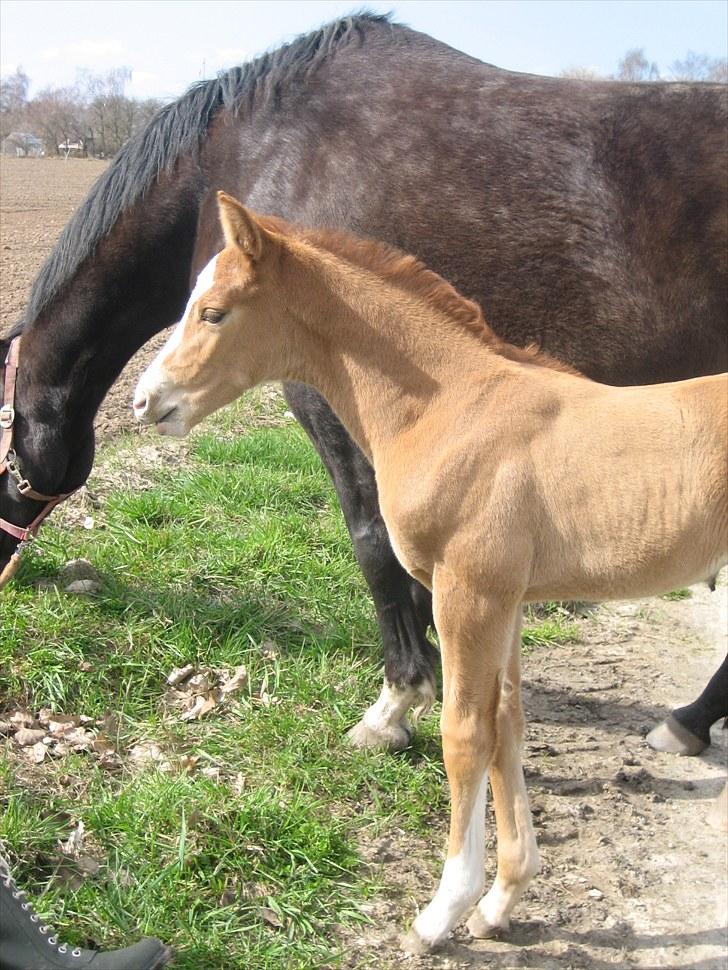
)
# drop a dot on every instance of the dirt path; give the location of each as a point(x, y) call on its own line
point(632, 874)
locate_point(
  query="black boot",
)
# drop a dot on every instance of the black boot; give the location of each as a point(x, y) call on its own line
point(26, 943)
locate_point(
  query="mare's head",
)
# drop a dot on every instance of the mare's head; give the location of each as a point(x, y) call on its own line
point(225, 342)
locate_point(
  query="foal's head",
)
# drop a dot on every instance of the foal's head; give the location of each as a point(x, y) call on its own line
point(227, 340)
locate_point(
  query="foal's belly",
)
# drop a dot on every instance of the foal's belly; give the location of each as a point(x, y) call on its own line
point(629, 580)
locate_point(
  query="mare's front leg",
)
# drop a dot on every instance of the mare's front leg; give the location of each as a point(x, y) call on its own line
point(476, 635)
point(404, 607)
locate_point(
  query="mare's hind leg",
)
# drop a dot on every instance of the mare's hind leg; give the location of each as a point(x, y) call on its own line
point(687, 729)
point(518, 858)
point(475, 635)
point(404, 607)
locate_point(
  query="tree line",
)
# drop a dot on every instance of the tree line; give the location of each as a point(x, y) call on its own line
point(635, 66)
point(95, 113)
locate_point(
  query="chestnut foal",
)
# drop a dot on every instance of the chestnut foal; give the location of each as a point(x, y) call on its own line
point(503, 478)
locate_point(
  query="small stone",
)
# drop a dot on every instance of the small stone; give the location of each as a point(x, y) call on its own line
point(595, 894)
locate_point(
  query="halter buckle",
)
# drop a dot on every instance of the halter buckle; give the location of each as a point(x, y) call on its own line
point(7, 416)
point(23, 486)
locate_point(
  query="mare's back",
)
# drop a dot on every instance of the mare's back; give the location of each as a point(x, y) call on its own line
point(589, 217)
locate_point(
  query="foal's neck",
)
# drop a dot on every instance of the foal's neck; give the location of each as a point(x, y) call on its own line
point(379, 352)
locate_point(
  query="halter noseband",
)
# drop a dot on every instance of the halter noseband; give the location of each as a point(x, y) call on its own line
point(10, 463)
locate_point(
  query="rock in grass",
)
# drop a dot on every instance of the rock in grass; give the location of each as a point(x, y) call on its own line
point(77, 570)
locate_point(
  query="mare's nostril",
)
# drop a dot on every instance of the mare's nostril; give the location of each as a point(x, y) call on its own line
point(141, 403)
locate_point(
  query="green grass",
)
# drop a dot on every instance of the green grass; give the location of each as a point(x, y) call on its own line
point(677, 594)
point(256, 866)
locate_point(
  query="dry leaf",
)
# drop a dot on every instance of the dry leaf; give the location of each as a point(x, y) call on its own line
point(73, 844)
point(102, 746)
point(21, 719)
point(189, 763)
point(199, 684)
point(36, 753)
point(79, 739)
point(179, 674)
point(270, 917)
point(238, 680)
point(28, 736)
point(201, 706)
point(146, 753)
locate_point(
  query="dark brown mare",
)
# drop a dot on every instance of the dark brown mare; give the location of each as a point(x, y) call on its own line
point(589, 218)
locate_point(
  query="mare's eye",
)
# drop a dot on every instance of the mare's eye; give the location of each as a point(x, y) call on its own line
point(213, 316)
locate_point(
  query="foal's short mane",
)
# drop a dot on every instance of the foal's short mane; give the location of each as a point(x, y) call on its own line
point(178, 130)
point(408, 273)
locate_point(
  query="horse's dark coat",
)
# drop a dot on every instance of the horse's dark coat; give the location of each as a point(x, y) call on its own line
point(590, 218)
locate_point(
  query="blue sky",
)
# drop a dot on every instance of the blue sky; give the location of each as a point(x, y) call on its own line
point(168, 44)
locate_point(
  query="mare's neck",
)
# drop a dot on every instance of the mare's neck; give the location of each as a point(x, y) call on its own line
point(378, 353)
point(134, 284)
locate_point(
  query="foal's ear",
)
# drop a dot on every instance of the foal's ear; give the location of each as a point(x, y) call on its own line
point(239, 226)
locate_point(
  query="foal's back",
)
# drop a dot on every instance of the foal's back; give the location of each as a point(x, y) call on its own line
point(632, 489)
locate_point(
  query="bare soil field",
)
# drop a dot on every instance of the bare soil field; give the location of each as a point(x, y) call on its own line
point(633, 875)
point(37, 198)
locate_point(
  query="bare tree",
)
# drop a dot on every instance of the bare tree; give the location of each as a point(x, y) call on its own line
point(634, 66)
point(13, 101)
point(113, 116)
point(581, 74)
point(58, 116)
point(700, 67)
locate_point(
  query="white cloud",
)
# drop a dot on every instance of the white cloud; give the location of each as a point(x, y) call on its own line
point(108, 53)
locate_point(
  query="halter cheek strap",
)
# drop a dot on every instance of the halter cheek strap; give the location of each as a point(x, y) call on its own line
point(10, 464)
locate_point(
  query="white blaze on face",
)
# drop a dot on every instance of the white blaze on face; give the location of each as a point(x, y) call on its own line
point(155, 394)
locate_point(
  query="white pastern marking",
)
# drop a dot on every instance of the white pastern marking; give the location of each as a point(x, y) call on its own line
point(462, 878)
point(391, 707)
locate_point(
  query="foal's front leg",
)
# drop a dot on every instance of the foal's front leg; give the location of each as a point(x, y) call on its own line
point(518, 857)
point(476, 634)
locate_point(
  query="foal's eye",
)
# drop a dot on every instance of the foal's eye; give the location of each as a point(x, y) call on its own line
point(213, 316)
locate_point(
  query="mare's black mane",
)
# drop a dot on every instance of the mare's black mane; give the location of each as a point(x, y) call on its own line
point(178, 129)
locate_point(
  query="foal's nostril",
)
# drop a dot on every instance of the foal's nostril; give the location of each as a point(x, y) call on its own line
point(141, 403)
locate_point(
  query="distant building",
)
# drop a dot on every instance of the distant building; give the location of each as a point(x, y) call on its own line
point(22, 145)
point(72, 148)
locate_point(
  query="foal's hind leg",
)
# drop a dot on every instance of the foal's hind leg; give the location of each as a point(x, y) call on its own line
point(475, 636)
point(518, 858)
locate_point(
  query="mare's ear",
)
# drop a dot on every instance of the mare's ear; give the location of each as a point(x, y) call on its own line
point(239, 226)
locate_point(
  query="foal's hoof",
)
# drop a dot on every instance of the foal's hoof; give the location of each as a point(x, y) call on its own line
point(671, 736)
point(479, 927)
point(394, 737)
point(413, 943)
